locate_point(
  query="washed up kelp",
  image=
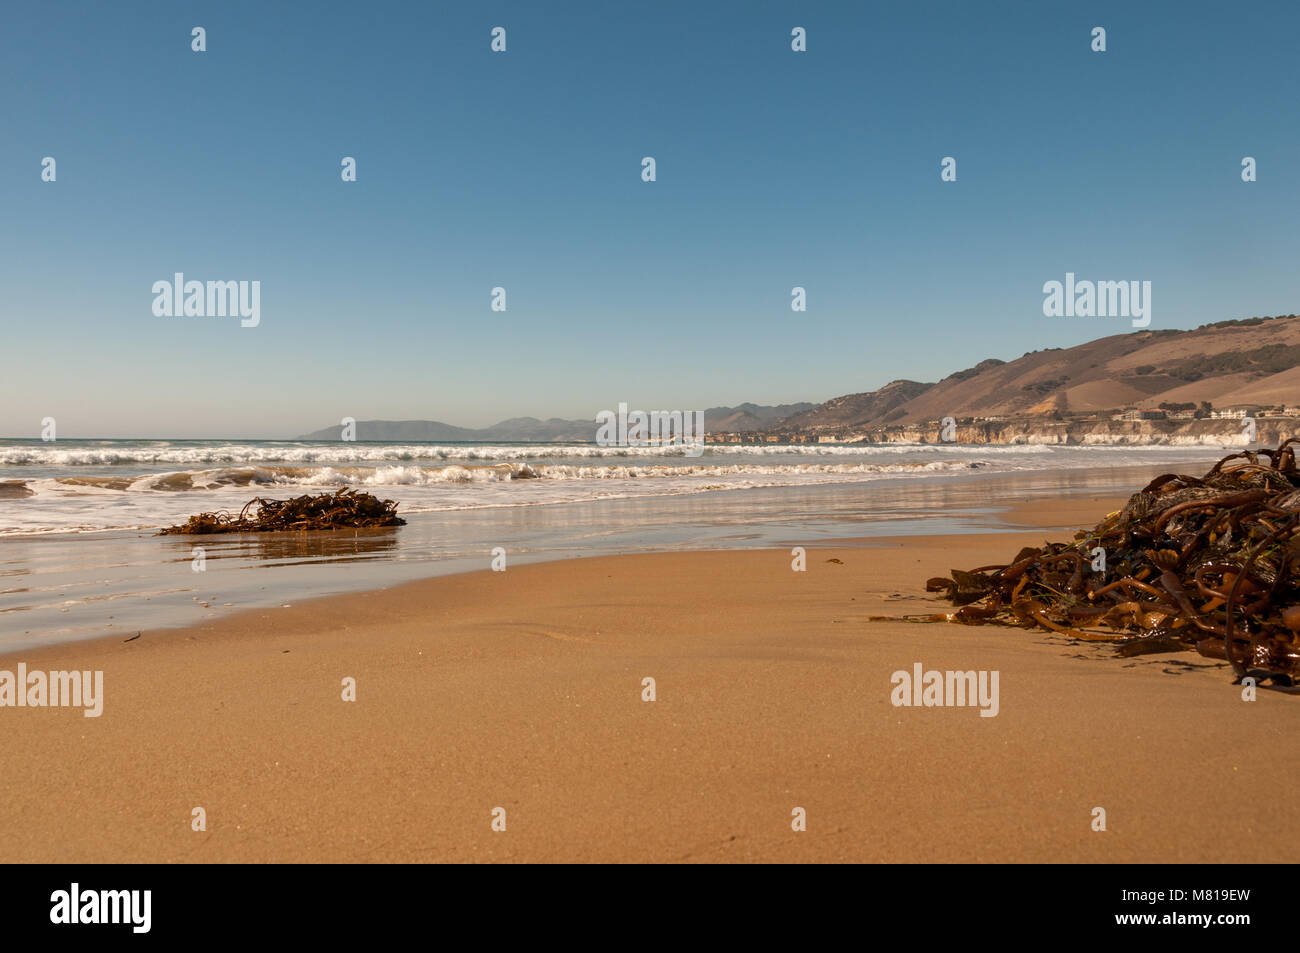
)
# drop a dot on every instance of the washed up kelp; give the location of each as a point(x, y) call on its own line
point(1210, 564)
point(343, 509)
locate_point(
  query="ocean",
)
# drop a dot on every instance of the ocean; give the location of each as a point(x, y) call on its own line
point(79, 554)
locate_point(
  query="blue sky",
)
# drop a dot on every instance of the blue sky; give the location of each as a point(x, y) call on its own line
point(522, 169)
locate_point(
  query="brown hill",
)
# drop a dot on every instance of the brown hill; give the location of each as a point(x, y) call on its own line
point(1256, 360)
point(749, 417)
point(851, 410)
point(1280, 388)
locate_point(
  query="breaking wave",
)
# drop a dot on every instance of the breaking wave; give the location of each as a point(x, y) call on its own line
point(234, 454)
point(330, 476)
point(93, 486)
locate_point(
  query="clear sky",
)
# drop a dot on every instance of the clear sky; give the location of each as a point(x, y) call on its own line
point(522, 169)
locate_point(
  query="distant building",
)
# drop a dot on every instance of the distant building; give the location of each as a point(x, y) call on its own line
point(1236, 411)
point(1140, 415)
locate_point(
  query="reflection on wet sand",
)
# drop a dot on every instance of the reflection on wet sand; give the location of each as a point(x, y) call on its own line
point(75, 586)
point(287, 549)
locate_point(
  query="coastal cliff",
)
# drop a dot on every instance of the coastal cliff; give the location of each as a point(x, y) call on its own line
point(1228, 432)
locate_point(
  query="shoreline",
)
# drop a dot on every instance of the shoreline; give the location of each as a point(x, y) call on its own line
point(73, 587)
point(523, 690)
point(1010, 516)
point(1128, 473)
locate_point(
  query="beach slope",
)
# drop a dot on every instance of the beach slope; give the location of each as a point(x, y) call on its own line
point(524, 690)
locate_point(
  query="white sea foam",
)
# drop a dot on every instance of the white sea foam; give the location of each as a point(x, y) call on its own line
point(161, 453)
point(88, 486)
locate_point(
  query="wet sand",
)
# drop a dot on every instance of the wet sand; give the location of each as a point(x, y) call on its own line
point(523, 690)
point(67, 587)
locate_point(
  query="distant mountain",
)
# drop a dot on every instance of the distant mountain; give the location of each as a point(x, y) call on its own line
point(855, 409)
point(1251, 361)
point(530, 428)
point(521, 429)
point(416, 431)
point(745, 417)
point(749, 417)
point(1254, 361)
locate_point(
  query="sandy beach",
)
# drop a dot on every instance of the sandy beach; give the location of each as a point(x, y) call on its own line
point(523, 690)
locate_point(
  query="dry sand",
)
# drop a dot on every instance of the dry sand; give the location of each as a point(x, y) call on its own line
point(523, 690)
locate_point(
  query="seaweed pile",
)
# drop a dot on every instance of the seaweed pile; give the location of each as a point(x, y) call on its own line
point(1210, 564)
point(343, 509)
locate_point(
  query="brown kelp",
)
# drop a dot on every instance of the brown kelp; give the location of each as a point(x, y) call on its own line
point(1207, 563)
point(342, 509)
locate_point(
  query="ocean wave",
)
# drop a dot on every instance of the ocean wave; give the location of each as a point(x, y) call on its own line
point(70, 496)
point(89, 504)
point(28, 455)
point(407, 475)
